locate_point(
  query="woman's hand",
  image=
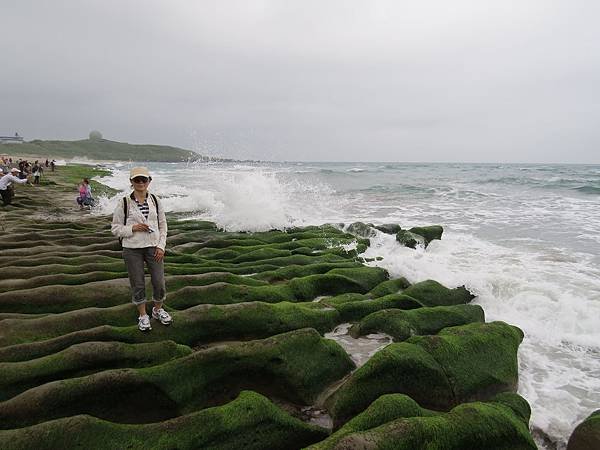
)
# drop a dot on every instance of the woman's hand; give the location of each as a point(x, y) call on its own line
point(159, 254)
point(140, 227)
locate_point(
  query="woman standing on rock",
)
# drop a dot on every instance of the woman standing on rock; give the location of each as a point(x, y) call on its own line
point(139, 220)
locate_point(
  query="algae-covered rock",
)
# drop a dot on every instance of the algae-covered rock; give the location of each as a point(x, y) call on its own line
point(60, 298)
point(383, 410)
point(419, 236)
point(356, 310)
point(432, 293)
point(437, 371)
point(82, 359)
point(189, 290)
point(201, 324)
point(409, 239)
point(295, 366)
point(389, 287)
point(33, 338)
point(249, 422)
point(586, 435)
point(361, 229)
point(428, 233)
point(335, 281)
point(397, 422)
point(403, 324)
point(388, 228)
point(342, 298)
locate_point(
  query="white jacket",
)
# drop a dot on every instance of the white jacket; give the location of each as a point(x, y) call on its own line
point(7, 179)
point(140, 239)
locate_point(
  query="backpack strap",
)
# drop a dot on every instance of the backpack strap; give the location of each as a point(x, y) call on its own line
point(125, 210)
point(156, 205)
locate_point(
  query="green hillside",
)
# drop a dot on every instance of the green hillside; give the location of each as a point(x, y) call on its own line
point(101, 149)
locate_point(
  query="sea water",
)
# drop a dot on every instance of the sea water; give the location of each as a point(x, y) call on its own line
point(524, 238)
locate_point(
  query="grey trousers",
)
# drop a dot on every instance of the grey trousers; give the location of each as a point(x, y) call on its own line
point(134, 261)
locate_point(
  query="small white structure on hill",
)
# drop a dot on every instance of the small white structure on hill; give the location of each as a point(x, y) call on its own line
point(16, 139)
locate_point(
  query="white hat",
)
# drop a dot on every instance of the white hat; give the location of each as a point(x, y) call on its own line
point(14, 169)
point(139, 172)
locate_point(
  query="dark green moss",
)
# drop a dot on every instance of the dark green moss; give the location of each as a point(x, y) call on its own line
point(295, 366)
point(198, 325)
point(249, 422)
point(586, 435)
point(437, 371)
point(429, 233)
point(432, 293)
point(409, 239)
point(356, 310)
point(406, 426)
point(82, 359)
point(403, 324)
point(388, 228)
point(389, 287)
point(383, 410)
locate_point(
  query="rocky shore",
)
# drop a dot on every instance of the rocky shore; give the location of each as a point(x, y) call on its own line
point(245, 363)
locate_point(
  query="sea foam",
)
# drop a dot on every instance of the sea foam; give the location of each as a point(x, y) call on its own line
point(556, 304)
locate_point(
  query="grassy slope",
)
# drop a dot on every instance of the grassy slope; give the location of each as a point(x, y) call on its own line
point(99, 149)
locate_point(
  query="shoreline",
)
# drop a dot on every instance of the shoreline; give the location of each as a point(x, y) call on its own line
point(183, 257)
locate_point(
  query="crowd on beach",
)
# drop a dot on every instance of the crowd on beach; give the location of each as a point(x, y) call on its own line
point(35, 169)
point(20, 171)
point(139, 221)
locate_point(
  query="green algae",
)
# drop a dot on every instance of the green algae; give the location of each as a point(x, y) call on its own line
point(403, 324)
point(294, 366)
point(32, 338)
point(395, 421)
point(389, 287)
point(438, 371)
point(432, 293)
point(586, 435)
point(81, 359)
point(249, 422)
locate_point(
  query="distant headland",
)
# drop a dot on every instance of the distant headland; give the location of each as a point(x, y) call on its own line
point(96, 147)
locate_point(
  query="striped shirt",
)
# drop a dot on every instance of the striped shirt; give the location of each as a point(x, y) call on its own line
point(144, 207)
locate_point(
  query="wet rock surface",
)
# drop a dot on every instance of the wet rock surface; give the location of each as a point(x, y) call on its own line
point(587, 434)
point(279, 339)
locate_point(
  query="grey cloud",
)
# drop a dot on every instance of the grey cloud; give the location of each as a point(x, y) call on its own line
point(334, 80)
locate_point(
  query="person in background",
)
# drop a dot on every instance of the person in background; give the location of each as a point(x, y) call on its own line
point(35, 171)
point(52, 165)
point(6, 189)
point(85, 194)
point(140, 221)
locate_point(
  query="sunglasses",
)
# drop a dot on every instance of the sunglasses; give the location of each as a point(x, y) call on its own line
point(140, 180)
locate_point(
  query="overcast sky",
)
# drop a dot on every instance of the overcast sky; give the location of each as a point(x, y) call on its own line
point(480, 81)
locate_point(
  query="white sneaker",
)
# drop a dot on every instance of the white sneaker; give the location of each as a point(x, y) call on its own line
point(161, 315)
point(144, 323)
